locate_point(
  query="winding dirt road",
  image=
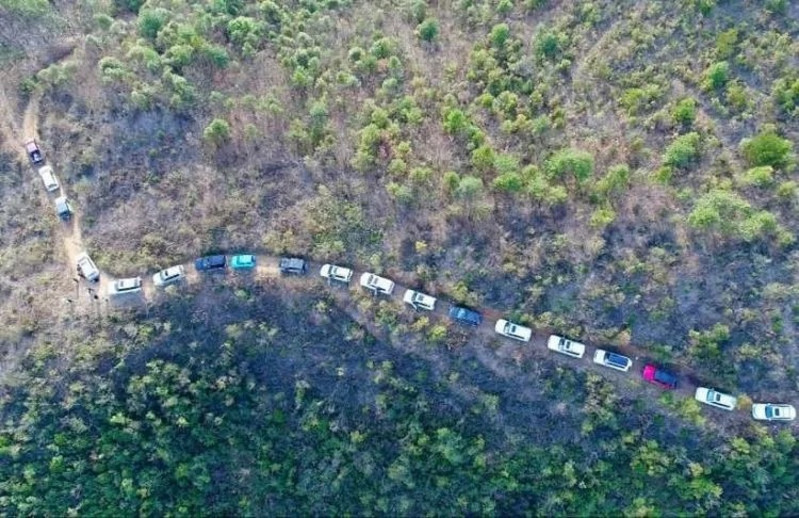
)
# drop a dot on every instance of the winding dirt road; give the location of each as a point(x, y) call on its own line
point(501, 355)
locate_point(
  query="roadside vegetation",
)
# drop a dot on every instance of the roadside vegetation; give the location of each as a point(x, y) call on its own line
point(622, 171)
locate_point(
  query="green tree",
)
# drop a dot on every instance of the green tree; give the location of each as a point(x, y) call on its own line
point(684, 112)
point(575, 162)
point(717, 75)
point(767, 148)
point(151, 21)
point(428, 30)
point(683, 151)
point(217, 132)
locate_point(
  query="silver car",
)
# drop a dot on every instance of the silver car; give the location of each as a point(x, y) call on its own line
point(169, 276)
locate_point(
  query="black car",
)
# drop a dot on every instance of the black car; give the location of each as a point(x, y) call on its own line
point(465, 316)
point(210, 262)
point(293, 265)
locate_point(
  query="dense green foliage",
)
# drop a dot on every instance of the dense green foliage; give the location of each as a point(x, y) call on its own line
point(261, 419)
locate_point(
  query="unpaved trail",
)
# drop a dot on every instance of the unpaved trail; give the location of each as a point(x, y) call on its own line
point(500, 361)
point(30, 120)
point(9, 130)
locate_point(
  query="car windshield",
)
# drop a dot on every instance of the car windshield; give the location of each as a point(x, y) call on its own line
point(772, 412)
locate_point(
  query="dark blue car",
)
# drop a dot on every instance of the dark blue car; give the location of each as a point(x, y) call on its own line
point(210, 262)
point(465, 316)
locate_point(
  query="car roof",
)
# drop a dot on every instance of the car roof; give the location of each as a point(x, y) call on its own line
point(664, 377)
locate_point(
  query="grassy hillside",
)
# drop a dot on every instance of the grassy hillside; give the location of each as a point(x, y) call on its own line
point(623, 171)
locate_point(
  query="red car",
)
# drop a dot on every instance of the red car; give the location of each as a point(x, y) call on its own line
point(659, 377)
point(34, 152)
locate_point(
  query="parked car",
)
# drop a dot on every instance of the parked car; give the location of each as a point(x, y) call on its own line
point(34, 153)
point(332, 272)
point(465, 315)
point(659, 377)
point(63, 208)
point(170, 275)
point(124, 286)
point(612, 360)
point(514, 331)
point(714, 398)
point(210, 262)
point(293, 265)
point(419, 300)
point(773, 412)
point(242, 262)
point(48, 178)
point(87, 269)
point(377, 284)
point(565, 346)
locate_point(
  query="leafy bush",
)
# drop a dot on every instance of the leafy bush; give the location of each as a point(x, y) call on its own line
point(762, 176)
point(575, 162)
point(767, 148)
point(217, 132)
point(683, 151)
point(717, 75)
point(636, 100)
point(500, 34)
point(726, 212)
point(684, 112)
point(786, 94)
point(615, 181)
point(27, 8)
point(151, 21)
point(509, 182)
point(428, 30)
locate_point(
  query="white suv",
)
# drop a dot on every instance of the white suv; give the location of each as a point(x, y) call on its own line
point(48, 178)
point(87, 269)
point(377, 284)
point(511, 330)
point(123, 286)
point(773, 412)
point(169, 276)
point(332, 272)
point(711, 397)
point(419, 300)
point(565, 346)
point(612, 360)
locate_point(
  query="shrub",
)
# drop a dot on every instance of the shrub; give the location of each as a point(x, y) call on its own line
point(549, 44)
point(636, 100)
point(428, 30)
point(151, 21)
point(684, 112)
point(571, 161)
point(509, 182)
point(217, 132)
point(616, 180)
point(767, 148)
point(483, 158)
point(469, 187)
point(717, 75)
point(244, 31)
point(455, 121)
point(762, 176)
point(786, 94)
point(683, 151)
point(602, 217)
point(500, 34)
point(726, 42)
